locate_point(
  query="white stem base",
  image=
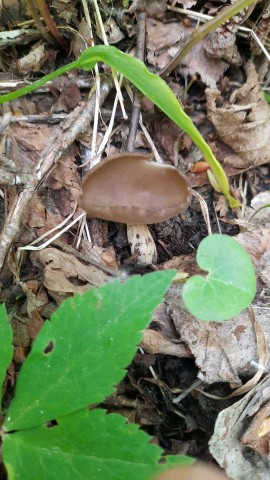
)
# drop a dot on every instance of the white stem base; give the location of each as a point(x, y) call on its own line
point(142, 243)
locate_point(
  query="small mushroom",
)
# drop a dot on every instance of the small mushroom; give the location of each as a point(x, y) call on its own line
point(133, 189)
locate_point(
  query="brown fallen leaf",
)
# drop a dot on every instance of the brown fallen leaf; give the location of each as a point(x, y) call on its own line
point(154, 342)
point(65, 275)
point(243, 122)
point(223, 351)
point(236, 444)
point(256, 435)
point(163, 43)
point(256, 243)
point(34, 59)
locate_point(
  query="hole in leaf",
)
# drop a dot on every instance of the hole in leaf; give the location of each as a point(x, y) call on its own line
point(77, 282)
point(49, 347)
point(52, 423)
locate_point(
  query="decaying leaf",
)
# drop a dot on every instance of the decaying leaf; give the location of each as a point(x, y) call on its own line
point(163, 43)
point(161, 40)
point(152, 8)
point(243, 122)
point(65, 275)
point(260, 212)
point(33, 60)
point(218, 45)
point(262, 29)
point(113, 32)
point(256, 243)
point(223, 351)
point(236, 444)
point(153, 342)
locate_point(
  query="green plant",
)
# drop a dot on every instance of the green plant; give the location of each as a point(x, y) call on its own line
point(267, 97)
point(49, 430)
point(151, 86)
point(230, 285)
point(81, 354)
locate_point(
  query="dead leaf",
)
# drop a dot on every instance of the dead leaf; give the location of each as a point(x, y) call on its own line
point(160, 38)
point(256, 243)
point(37, 214)
point(198, 62)
point(164, 41)
point(113, 32)
point(33, 60)
point(153, 342)
point(223, 351)
point(234, 431)
point(65, 275)
point(188, 3)
point(264, 268)
point(262, 216)
point(221, 43)
point(67, 10)
point(152, 8)
point(254, 436)
point(243, 122)
point(67, 95)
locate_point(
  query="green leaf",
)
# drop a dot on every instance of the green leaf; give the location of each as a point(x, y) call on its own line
point(6, 350)
point(81, 353)
point(230, 285)
point(84, 445)
point(267, 96)
point(150, 85)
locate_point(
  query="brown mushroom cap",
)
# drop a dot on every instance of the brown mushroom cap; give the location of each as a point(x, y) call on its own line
point(131, 188)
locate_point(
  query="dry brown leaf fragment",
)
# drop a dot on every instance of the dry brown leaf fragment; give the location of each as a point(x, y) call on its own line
point(153, 342)
point(223, 351)
point(256, 435)
point(112, 30)
point(161, 40)
point(67, 95)
point(163, 43)
point(65, 275)
point(220, 46)
point(234, 431)
point(152, 8)
point(262, 30)
point(33, 60)
point(243, 122)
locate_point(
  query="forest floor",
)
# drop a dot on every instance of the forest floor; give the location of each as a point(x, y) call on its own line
point(222, 84)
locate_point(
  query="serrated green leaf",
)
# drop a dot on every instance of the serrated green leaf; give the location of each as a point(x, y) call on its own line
point(81, 353)
point(84, 445)
point(230, 285)
point(6, 350)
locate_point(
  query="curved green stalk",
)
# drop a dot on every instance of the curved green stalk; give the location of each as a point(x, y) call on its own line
point(152, 86)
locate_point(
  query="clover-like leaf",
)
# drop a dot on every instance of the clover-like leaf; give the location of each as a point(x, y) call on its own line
point(230, 285)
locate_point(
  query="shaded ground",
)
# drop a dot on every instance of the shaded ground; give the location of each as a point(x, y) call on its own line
point(222, 92)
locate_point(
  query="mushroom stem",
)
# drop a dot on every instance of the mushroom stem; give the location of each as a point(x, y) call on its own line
point(141, 243)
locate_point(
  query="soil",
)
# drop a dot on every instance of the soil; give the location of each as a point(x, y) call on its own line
point(40, 120)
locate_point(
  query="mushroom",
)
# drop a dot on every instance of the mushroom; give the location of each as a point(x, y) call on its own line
point(131, 188)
